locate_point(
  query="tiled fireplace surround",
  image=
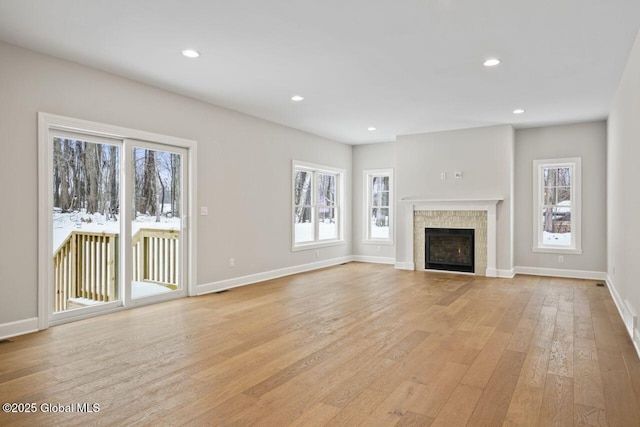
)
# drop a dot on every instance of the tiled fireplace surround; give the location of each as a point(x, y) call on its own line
point(479, 215)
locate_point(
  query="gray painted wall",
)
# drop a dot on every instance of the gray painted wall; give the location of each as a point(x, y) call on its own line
point(623, 179)
point(484, 155)
point(244, 169)
point(245, 162)
point(585, 140)
point(365, 157)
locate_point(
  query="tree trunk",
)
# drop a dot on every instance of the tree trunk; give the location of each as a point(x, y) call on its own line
point(148, 202)
point(80, 176)
point(161, 207)
point(57, 154)
point(548, 220)
point(67, 155)
point(114, 204)
point(92, 169)
point(175, 184)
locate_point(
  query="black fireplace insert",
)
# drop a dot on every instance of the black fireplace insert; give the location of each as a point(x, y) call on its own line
point(449, 249)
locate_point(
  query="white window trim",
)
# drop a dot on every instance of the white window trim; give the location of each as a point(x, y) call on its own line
point(297, 164)
point(368, 175)
point(576, 212)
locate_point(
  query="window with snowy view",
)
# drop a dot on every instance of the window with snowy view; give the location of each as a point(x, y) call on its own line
point(379, 206)
point(316, 204)
point(556, 205)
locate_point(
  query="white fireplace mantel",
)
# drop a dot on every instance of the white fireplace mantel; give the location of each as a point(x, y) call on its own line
point(427, 204)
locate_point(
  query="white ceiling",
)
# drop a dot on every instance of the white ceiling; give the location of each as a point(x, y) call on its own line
point(403, 66)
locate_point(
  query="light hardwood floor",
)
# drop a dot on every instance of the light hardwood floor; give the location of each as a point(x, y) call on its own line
point(357, 344)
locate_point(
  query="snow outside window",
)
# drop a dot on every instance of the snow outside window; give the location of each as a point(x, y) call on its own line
point(556, 215)
point(316, 205)
point(379, 206)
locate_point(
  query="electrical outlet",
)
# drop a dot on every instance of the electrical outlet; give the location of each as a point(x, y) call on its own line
point(317, 254)
point(204, 210)
point(443, 175)
point(560, 259)
point(458, 174)
point(232, 262)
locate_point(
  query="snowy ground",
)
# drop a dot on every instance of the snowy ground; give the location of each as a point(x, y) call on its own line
point(65, 223)
point(304, 231)
point(378, 232)
point(145, 289)
point(560, 239)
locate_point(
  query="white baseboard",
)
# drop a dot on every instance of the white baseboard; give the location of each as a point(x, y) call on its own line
point(627, 314)
point(19, 327)
point(491, 272)
point(615, 295)
point(222, 285)
point(506, 274)
point(630, 317)
point(374, 259)
point(405, 266)
point(559, 272)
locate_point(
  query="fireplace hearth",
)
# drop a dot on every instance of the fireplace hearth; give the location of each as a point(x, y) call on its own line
point(450, 249)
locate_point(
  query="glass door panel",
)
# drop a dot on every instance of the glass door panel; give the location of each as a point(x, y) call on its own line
point(85, 222)
point(156, 226)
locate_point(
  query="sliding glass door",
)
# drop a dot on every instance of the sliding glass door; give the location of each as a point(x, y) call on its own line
point(118, 223)
point(85, 219)
point(158, 189)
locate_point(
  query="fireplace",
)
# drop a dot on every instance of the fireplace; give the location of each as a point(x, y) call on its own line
point(418, 214)
point(449, 249)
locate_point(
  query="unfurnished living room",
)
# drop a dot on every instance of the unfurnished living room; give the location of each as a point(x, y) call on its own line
point(319, 213)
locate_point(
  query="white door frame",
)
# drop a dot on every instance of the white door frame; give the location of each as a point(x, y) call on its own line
point(49, 122)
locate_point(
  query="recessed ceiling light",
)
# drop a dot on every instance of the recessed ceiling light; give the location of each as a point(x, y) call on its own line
point(190, 53)
point(297, 98)
point(518, 111)
point(371, 128)
point(491, 62)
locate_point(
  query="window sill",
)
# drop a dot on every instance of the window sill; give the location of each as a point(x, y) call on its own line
point(378, 242)
point(314, 245)
point(549, 250)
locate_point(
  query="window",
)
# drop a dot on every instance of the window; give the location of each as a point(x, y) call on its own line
point(317, 215)
point(379, 206)
point(556, 215)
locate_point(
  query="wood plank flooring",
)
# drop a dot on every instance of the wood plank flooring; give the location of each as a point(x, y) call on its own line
point(356, 344)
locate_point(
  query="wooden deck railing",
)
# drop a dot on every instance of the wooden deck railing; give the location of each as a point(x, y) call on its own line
point(85, 264)
point(156, 256)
